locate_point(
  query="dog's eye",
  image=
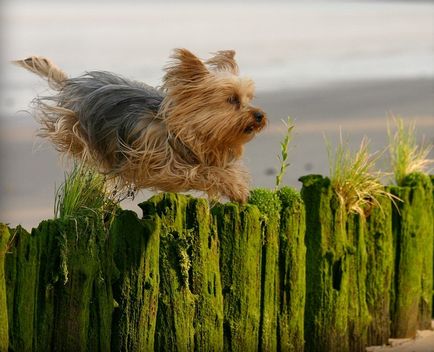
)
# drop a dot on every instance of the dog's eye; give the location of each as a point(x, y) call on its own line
point(234, 100)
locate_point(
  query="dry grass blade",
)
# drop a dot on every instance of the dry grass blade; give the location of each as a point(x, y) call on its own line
point(358, 188)
point(406, 156)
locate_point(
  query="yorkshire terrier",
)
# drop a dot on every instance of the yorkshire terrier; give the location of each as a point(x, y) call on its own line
point(186, 135)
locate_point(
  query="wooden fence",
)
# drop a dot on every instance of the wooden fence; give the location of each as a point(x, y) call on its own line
point(288, 272)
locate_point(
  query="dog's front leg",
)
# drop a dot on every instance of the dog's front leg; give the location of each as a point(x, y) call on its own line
point(231, 181)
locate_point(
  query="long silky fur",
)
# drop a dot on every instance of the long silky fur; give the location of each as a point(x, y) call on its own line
point(180, 137)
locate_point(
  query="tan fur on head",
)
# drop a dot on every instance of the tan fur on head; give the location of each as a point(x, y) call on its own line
point(224, 60)
point(188, 135)
point(209, 110)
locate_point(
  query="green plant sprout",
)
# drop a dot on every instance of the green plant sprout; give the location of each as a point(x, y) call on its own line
point(283, 157)
point(406, 156)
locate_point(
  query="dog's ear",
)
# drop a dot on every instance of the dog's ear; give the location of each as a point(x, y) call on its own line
point(185, 67)
point(224, 61)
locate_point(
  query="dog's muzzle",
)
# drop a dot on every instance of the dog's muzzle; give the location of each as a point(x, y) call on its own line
point(259, 116)
point(259, 122)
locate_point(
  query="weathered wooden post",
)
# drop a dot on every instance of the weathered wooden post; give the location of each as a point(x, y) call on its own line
point(20, 273)
point(59, 289)
point(239, 231)
point(379, 271)
point(292, 272)
point(327, 268)
point(358, 314)
point(4, 333)
point(190, 305)
point(269, 205)
point(432, 184)
point(135, 253)
point(413, 237)
point(205, 277)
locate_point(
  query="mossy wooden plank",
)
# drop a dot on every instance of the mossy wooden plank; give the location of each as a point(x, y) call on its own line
point(327, 264)
point(4, 326)
point(176, 304)
point(379, 271)
point(432, 184)
point(413, 237)
point(83, 300)
point(59, 288)
point(358, 314)
point(32, 268)
point(425, 205)
point(52, 272)
point(135, 246)
point(292, 272)
point(240, 238)
point(190, 307)
point(205, 280)
point(21, 270)
point(268, 203)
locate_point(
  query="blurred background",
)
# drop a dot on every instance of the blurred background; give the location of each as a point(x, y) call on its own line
point(330, 65)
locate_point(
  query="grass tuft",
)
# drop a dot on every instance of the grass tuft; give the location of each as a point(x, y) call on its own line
point(84, 193)
point(352, 177)
point(406, 156)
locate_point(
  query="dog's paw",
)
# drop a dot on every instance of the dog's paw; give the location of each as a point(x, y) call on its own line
point(239, 193)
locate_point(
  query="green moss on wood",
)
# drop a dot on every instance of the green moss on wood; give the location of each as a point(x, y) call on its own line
point(190, 309)
point(264, 276)
point(205, 280)
point(327, 263)
point(268, 203)
point(432, 183)
point(58, 288)
point(413, 238)
point(289, 197)
point(176, 303)
point(4, 333)
point(379, 271)
point(83, 301)
point(135, 248)
point(358, 314)
point(239, 232)
point(21, 271)
point(292, 272)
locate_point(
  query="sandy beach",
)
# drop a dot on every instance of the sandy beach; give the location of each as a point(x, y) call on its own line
point(422, 342)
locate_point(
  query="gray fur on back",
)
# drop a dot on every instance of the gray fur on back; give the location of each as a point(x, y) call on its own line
point(108, 107)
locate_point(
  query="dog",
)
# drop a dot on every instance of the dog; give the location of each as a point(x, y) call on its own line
point(186, 135)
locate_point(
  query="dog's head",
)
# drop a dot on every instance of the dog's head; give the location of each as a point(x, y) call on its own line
point(207, 105)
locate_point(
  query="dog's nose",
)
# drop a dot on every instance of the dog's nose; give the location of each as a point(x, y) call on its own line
point(258, 116)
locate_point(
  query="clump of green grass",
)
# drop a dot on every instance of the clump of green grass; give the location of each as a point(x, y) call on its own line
point(283, 157)
point(84, 193)
point(357, 186)
point(406, 156)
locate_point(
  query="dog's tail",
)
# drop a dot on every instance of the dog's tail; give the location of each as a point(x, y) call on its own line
point(44, 68)
point(59, 123)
